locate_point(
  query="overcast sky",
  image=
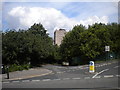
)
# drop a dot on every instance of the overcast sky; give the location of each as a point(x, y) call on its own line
point(55, 15)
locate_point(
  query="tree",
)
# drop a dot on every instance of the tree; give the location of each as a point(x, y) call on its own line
point(24, 46)
point(70, 45)
point(89, 43)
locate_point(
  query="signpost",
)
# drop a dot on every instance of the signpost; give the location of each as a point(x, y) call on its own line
point(91, 67)
point(107, 49)
point(7, 70)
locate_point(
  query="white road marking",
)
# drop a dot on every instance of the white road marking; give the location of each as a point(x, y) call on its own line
point(97, 77)
point(66, 78)
point(116, 66)
point(46, 79)
point(56, 79)
point(75, 78)
point(26, 81)
point(108, 76)
point(100, 73)
point(87, 78)
point(118, 75)
point(35, 80)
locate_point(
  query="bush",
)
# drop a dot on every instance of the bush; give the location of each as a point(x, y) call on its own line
point(16, 67)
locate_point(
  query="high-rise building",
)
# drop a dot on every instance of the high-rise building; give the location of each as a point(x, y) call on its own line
point(58, 36)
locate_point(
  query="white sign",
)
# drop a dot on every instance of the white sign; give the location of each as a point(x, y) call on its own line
point(107, 48)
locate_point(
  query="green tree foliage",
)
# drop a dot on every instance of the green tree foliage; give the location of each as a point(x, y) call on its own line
point(36, 47)
point(88, 43)
point(27, 46)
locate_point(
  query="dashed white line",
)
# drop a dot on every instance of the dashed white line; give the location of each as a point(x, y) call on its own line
point(56, 79)
point(35, 80)
point(46, 79)
point(75, 78)
point(118, 75)
point(59, 72)
point(87, 78)
point(108, 76)
point(66, 78)
point(100, 73)
point(26, 81)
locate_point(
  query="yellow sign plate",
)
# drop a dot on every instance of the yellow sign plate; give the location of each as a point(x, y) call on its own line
point(91, 68)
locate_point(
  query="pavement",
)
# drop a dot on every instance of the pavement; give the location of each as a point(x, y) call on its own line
point(33, 72)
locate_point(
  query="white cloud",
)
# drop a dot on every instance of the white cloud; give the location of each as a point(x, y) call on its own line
point(95, 19)
point(24, 17)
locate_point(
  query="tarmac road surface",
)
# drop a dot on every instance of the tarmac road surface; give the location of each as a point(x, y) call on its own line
point(106, 76)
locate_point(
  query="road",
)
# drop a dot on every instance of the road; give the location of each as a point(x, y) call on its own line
point(106, 76)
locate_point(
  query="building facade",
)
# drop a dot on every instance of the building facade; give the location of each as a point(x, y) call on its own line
point(58, 36)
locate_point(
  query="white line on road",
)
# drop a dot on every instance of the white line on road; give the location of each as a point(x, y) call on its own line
point(59, 72)
point(100, 73)
point(75, 78)
point(118, 75)
point(108, 76)
point(66, 78)
point(116, 66)
point(26, 81)
point(87, 78)
point(97, 77)
point(35, 80)
point(46, 79)
point(56, 79)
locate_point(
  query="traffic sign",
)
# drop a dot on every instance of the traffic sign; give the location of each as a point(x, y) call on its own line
point(91, 66)
point(107, 48)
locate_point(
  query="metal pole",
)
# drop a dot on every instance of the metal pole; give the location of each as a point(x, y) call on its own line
point(7, 72)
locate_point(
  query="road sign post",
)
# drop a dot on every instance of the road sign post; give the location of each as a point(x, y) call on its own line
point(91, 67)
point(107, 49)
point(7, 70)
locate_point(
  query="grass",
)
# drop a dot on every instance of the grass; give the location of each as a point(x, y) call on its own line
point(100, 61)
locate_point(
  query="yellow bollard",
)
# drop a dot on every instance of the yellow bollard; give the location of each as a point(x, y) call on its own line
point(91, 67)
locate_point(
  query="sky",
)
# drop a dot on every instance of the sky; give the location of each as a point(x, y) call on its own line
point(56, 15)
